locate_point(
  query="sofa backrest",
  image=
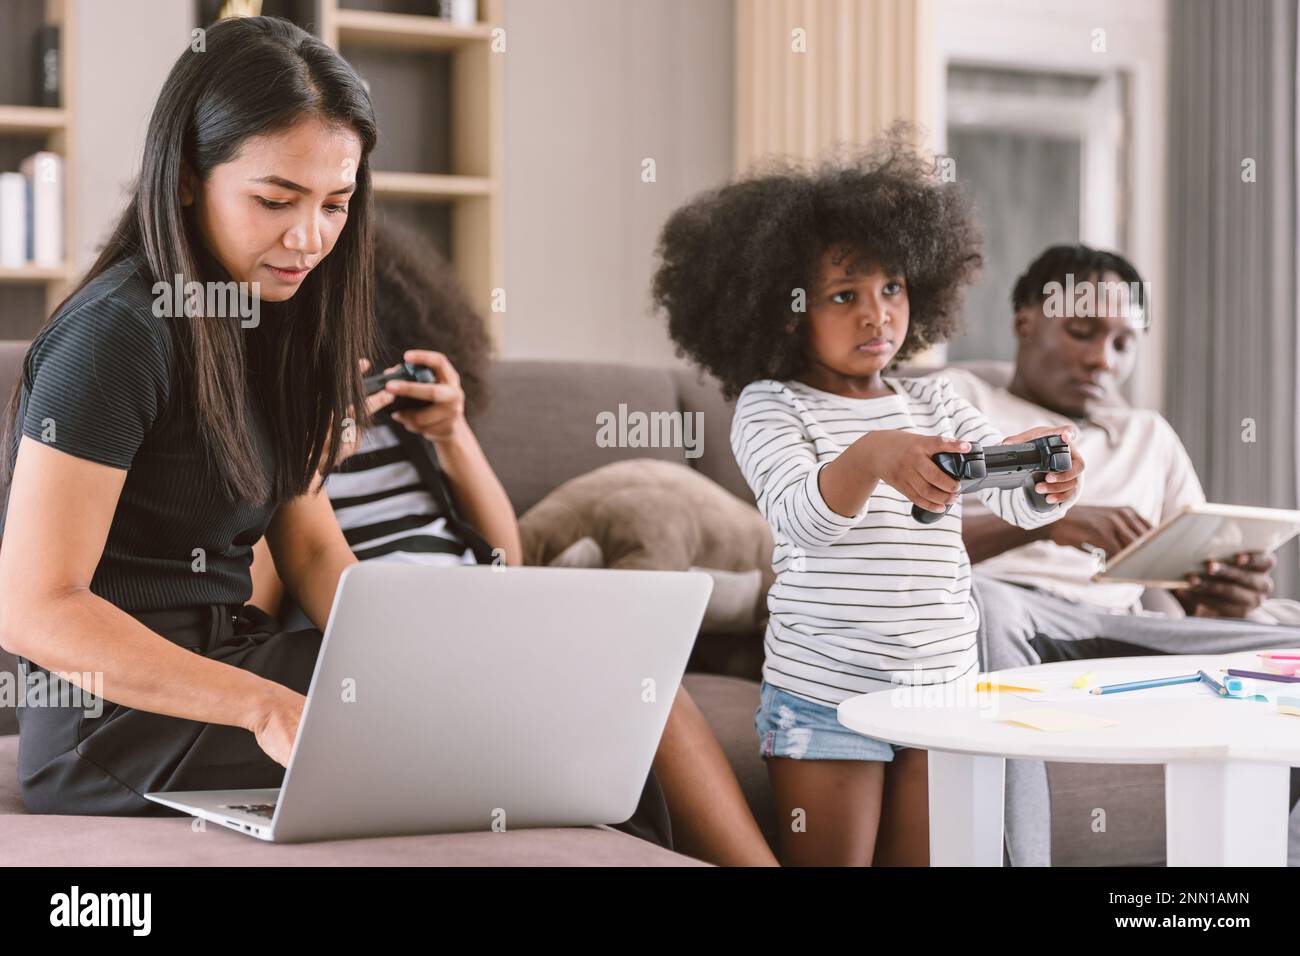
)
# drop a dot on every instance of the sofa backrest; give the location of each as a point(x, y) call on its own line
point(11, 364)
point(544, 422)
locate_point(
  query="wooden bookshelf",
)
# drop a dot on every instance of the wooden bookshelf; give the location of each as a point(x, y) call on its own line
point(430, 187)
point(32, 119)
point(471, 189)
point(404, 31)
point(52, 127)
point(36, 275)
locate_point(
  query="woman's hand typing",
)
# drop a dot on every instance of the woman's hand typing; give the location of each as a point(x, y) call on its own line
point(275, 722)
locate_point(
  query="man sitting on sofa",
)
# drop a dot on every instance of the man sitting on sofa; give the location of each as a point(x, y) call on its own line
point(1037, 600)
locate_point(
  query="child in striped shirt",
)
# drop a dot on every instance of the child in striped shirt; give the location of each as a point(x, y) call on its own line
point(797, 289)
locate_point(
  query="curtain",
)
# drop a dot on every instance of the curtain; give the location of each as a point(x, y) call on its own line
point(812, 73)
point(1231, 301)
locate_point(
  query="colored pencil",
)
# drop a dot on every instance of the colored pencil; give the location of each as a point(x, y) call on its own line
point(1213, 684)
point(1261, 675)
point(1144, 684)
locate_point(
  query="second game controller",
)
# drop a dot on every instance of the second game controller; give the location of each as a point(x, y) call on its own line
point(406, 372)
point(1002, 466)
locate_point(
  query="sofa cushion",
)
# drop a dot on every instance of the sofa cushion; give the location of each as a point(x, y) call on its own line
point(11, 363)
point(47, 840)
point(42, 840)
point(11, 360)
point(540, 429)
point(698, 392)
point(1107, 814)
point(9, 678)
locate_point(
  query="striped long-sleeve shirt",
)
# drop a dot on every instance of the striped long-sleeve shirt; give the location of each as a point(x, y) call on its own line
point(385, 510)
point(865, 602)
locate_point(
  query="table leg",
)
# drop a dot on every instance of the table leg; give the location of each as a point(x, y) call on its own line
point(1226, 813)
point(966, 807)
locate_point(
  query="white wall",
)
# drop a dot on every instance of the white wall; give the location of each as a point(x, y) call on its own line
point(124, 52)
point(592, 87)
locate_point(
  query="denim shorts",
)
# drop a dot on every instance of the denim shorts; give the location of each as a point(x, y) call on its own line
point(790, 726)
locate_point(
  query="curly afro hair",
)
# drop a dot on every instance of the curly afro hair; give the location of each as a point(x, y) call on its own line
point(420, 304)
point(731, 259)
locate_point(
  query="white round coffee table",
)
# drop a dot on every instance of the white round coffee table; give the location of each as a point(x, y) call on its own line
point(1227, 762)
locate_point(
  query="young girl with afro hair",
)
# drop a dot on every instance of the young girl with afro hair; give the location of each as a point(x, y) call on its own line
point(798, 288)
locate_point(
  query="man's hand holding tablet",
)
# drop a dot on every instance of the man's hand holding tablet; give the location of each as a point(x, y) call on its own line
point(1231, 588)
point(1215, 558)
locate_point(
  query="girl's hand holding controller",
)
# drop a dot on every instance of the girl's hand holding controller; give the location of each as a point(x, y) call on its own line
point(443, 419)
point(1061, 485)
point(350, 438)
point(905, 462)
point(379, 400)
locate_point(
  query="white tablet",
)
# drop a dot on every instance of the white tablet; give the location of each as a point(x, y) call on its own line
point(1165, 555)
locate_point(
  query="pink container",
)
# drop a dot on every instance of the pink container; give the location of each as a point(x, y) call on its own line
point(1288, 664)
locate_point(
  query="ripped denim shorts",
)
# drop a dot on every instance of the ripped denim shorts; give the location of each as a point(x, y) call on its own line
point(790, 726)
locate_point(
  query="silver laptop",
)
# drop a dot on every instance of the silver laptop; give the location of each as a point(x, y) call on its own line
point(476, 698)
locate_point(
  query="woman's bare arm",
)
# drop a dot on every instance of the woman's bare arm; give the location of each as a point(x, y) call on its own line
point(268, 589)
point(60, 510)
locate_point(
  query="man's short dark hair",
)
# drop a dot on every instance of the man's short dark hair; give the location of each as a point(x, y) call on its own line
point(1084, 263)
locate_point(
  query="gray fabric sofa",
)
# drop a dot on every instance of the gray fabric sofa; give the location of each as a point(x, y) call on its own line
point(539, 432)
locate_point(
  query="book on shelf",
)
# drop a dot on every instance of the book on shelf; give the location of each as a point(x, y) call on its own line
point(47, 65)
point(13, 220)
point(463, 13)
point(43, 175)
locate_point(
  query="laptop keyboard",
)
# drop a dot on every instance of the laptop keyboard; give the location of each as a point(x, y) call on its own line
point(256, 809)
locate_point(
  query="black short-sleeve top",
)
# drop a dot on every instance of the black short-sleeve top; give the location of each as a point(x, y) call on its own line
point(101, 386)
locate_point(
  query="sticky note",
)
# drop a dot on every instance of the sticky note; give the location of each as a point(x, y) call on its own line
point(1053, 721)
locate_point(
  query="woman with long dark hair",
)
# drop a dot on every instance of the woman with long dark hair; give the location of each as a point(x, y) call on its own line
point(154, 437)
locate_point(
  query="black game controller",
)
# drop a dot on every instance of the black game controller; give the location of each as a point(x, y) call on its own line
point(406, 372)
point(1002, 466)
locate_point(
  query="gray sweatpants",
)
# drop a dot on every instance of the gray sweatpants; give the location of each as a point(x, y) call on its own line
point(1022, 626)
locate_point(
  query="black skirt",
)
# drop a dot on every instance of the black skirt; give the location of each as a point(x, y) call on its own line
point(72, 762)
